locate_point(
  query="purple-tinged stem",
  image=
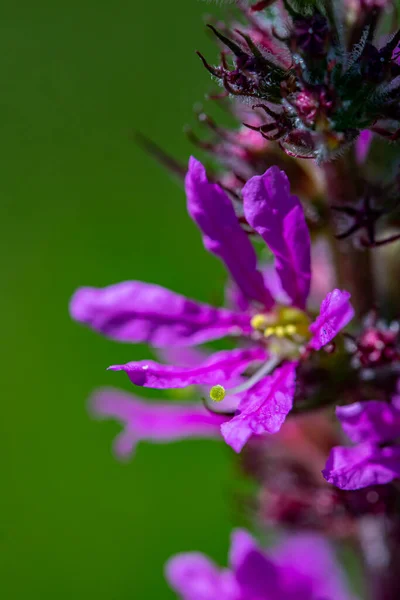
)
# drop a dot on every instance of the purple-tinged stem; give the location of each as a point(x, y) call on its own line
point(353, 265)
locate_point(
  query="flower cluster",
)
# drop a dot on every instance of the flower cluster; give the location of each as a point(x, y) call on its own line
point(308, 77)
point(318, 81)
point(302, 567)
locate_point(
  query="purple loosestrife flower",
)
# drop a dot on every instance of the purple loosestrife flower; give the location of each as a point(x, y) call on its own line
point(302, 567)
point(275, 334)
point(375, 459)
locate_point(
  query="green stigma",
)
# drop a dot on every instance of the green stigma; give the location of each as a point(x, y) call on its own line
point(217, 393)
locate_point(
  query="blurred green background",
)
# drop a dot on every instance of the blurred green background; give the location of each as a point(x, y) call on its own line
point(82, 205)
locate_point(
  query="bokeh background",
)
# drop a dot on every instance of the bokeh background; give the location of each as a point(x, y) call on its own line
point(81, 204)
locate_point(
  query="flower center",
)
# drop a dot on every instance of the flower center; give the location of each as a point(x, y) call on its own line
point(285, 322)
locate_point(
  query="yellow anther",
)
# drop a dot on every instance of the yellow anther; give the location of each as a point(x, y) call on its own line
point(290, 329)
point(280, 331)
point(289, 315)
point(258, 322)
point(269, 331)
point(217, 393)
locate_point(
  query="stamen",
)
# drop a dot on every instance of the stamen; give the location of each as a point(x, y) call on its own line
point(258, 322)
point(290, 329)
point(284, 322)
point(218, 392)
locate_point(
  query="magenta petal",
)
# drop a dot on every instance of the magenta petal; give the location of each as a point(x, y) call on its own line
point(278, 218)
point(309, 564)
point(303, 567)
point(184, 356)
point(371, 421)
point(264, 409)
point(195, 577)
point(363, 145)
point(219, 368)
point(254, 570)
point(362, 465)
point(157, 423)
point(212, 210)
point(134, 311)
point(237, 301)
point(242, 542)
point(335, 313)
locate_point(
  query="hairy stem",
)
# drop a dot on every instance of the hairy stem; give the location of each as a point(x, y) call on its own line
point(353, 265)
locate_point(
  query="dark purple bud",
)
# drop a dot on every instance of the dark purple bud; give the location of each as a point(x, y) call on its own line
point(311, 35)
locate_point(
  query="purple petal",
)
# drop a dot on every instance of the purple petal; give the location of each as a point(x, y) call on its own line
point(335, 313)
point(236, 300)
point(274, 284)
point(278, 217)
point(158, 423)
point(134, 311)
point(362, 465)
point(193, 357)
point(234, 297)
point(308, 564)
point(212, 210)
point(264, 409)
point(255, 573)
point(195, 577)
point(184, 356)
point(241, 544)
point(371, 421)
point(219, 368)
point(363, 145)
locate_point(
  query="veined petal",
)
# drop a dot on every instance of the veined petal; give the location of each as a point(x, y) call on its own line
point(153, 422)
point(362, 465)
point(335, 313)
point(371, 421)
point(264, 408)
point(278, 218)
point(212, 210)
point(219, 368)
point(195, 577)
point(134, 311)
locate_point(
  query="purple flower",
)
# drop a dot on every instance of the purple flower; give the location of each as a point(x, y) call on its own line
point(150, 421)
point(302, 567)
point(375, 428)
point(275, 328)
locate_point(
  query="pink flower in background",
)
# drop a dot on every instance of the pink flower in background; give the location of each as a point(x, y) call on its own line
point(301, 567)
point(375, 459)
